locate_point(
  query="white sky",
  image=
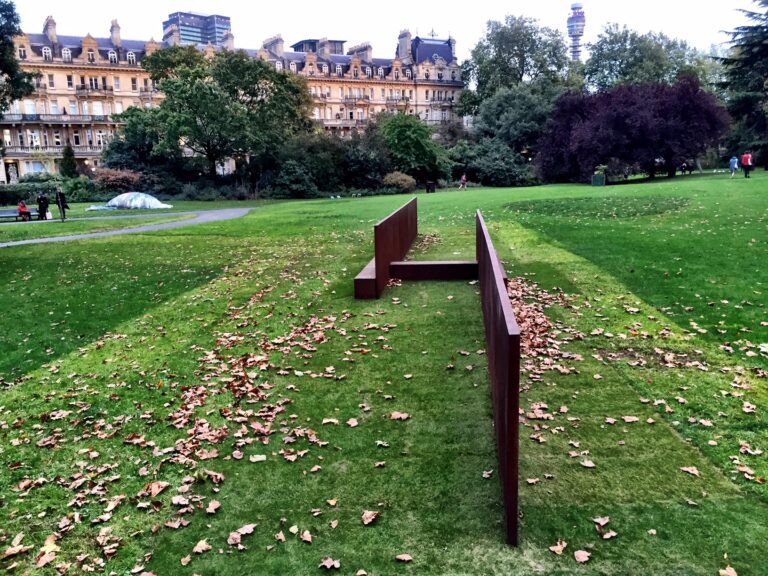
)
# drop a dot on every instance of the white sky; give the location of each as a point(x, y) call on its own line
point(699, 23)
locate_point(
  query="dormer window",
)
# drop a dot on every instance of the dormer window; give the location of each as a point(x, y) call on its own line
point(131, 57)
point(279, 66)
point(355, 72)
point(368, 71)
point(325, 69)
point(112, 55)
point(311, 69)
point(380, 72)
point(426, 74)
point(397, 74)
point(47, 54)
point(408, 73)
point(91, 55)
point(66, 55)
point(439, 75)
point(338, 70)
point(453, 74)
point(293, 67)
point(22, 53)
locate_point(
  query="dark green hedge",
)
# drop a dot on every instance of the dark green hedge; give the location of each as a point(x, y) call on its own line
point(10, 194)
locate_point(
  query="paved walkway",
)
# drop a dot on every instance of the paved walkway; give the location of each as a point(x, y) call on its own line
point(200, 218)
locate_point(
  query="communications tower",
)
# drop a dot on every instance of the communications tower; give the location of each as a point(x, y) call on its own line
point(576, 23)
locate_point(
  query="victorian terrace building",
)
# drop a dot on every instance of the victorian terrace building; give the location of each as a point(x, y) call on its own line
point(85, 80)
point(424, 78)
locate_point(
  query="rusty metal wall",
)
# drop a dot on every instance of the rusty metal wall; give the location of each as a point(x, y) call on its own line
point(392, 237)
point(502, 342)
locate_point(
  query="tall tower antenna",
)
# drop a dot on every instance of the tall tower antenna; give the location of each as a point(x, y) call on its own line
point(576, 22)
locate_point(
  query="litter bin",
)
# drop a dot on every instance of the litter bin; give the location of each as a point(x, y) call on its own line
point(430, 187)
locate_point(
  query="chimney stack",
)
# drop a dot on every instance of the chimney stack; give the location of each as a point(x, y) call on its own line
point(114, 32)
point(49, 29)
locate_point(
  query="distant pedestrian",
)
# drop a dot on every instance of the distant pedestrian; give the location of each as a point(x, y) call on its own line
point(61, 202)
point(746, 163)
point(42, 206)
point(733, 165)
point(23, 211)
point(463, 182)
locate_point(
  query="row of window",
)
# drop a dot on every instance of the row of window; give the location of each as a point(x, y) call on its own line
point(66, 55)
point(341, 114)
point(325, 91)
point(33, 137)
point(96, 83)
point(356, 71)
point(95, 107)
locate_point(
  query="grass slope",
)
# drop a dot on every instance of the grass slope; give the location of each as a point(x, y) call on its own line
point(218, 327)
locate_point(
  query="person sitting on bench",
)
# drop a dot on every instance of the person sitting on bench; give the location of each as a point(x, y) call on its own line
point(23, 211)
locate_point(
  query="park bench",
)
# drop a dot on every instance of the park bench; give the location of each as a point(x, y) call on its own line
point(15, 214)
point(393, 237)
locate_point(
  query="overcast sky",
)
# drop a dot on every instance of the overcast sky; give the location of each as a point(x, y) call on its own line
point(701, 24)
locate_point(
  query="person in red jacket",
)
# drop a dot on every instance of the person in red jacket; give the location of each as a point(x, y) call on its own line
point(746, 163)
point(23, 211)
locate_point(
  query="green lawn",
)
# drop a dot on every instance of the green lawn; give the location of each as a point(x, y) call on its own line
point(230, 361)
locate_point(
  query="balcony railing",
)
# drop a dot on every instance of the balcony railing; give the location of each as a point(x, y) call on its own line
point(147, 92)
point(89, 91)
point(398, 100)
point(53, 150)
point(352, 100)
point(58, 118)
point(342, 123)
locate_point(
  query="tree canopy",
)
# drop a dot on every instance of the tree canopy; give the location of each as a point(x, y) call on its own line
point(411, 147)
point(15, 83)
point(515, 51)
point(746, 73)
point(624, 56)
point(639, 127)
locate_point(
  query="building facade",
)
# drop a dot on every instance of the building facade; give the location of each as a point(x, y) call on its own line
point(84, 81)
point(189, 28)
point(423, 79)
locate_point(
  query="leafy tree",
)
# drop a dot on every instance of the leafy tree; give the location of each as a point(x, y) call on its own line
point(411, 147)
point(233, 106)
point(623, 56)
point(139, 143)
point(321, 155)
point(746, 73)
point(515, 51)
point(491, 162)
point(166, 63)
point(68, 166)
point(15, 84)
point(294, 181)
point(650, 126)
point(516, 116)
point(198, 112)
point(367, 160)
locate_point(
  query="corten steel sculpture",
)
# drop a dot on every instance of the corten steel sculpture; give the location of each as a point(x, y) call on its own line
point(393, 237)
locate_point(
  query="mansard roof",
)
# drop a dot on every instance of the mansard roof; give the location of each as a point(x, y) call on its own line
point(104, 45)
point(431, 49)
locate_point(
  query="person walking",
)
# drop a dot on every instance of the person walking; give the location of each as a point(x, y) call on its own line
point(733, 165)
point(61, 202)
point(42, 206)
point(463, 182)
point(746, 163)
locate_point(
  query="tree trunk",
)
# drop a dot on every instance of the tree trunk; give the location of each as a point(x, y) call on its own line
point(212, 168)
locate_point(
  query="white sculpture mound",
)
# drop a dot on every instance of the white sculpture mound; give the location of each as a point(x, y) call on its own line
point(133, 201)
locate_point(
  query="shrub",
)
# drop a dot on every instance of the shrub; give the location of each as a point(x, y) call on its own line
point(68, 166)
point(294, 182)
point(10, 194)
point(82, 189)
point(39, 177)
point(402, 182)
point(116, 180)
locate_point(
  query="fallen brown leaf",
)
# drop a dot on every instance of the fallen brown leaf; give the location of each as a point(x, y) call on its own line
point(201, 547)
point(329, 563)
point(404, 558)
point(581, 556)
point(559, 547)
point(692, 470)
point(369, 516)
